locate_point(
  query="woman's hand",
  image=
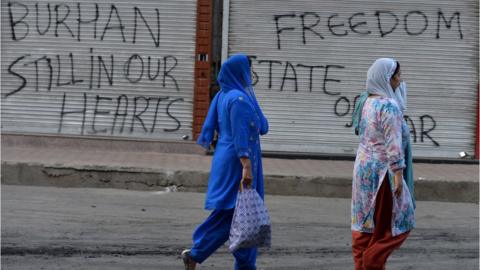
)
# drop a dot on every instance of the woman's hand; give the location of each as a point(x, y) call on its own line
point(246, 171)
point(398, 183)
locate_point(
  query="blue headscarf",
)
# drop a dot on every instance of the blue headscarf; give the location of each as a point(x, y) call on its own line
point(235, 74)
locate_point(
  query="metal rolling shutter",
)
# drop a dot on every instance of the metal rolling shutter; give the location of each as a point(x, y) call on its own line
point(135, 104)
point(439, 64)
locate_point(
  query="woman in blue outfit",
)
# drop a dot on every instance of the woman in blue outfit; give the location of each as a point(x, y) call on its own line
point(238, 120)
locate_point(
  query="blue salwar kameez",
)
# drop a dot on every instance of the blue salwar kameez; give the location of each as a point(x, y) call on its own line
point(238, 120)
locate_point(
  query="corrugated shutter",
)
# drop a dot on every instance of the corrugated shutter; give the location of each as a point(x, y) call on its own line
point(436, 43)
point(150, 43)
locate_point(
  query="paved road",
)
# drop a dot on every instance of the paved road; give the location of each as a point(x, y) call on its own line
point(56, 228)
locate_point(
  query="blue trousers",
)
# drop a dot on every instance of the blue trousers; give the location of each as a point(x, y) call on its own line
point(213, 233)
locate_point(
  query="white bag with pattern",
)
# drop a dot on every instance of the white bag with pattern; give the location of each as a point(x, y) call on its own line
point(251, 222)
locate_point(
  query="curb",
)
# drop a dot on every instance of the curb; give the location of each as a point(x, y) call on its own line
point(132, 178)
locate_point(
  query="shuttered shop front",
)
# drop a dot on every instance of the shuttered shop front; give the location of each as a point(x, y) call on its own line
point(311, 60)
point(105, 68)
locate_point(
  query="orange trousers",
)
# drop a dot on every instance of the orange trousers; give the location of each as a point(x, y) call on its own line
point(371, 250)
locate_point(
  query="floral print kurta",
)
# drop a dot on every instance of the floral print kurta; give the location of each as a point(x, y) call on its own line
point(380, 152)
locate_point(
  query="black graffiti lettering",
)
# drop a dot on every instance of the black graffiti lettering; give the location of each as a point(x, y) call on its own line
point(425, 25)
point(413, 130)
point(326, 80)
point(286, 77)
point(81, 22)
point(90, 84)
point(141, 105)
point(50, 68)
point(156, 40)
point(62, 20)
point(73, 25)
point(347, 106)
point(72, 68)
point(82, 111)
point(280, 30)
point(354, 27)
point(50, 78)
point(384, 32)
point(311, 68)
point(448, 23)
point(136, 116)
point(127, 68)
point(140, 110)
point(179, 124)
point(310, 27)
point(14, 23)
point(425, 132)
point(270, 63)
point(387, 23)
point(159, 99)
point(166, 73)
point(72, 80)
point(310, 22)
point(150, 77)
point(59, 75)
point(331, 26)
point(96, 112)
point(101, 65)
point(117, 113)
point(119, 25)
point(101, 71)
point(290, 73)
point(37, 20)
point(10, 70)
point(36, 70)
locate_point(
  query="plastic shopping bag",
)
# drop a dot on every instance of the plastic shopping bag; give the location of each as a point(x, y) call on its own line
point(251, 222)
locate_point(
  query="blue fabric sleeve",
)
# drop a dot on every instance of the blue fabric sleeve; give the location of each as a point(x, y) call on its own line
point(240, 118)
point(263, 119)
point(210, 125)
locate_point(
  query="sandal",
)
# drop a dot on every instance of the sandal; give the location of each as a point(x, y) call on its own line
point(187, 260)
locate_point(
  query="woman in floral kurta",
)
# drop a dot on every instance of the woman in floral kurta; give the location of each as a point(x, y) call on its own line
point(382, 207)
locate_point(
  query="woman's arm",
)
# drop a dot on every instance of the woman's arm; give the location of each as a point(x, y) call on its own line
point(241, 114)
point(391, 119)
point(398, 181)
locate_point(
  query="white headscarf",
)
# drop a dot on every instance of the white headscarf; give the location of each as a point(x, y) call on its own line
point(378, 82)
point(401, 96)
